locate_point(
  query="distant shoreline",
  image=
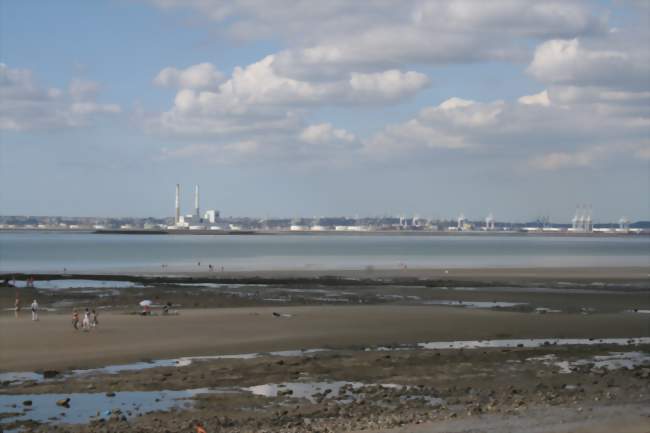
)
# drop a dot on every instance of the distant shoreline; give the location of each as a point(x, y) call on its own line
point(487, 276)
point(328, 232)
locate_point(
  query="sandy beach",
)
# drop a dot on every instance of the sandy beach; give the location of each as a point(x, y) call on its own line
point(369, 323)
point(494, 274)
point(51, 343)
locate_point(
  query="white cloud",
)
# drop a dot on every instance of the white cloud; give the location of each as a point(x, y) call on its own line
point(547, 135)
point(256, 98)
point(325, 133)
point(85, 108)
point(379, 35)
point(336, 37)
point(319, 143)
point(388, 85)
point(442, 126)
point(568, 62)
point(596, 97)
point(540, 98)
point(81, 90)
point(559, 160)
point(24, 105)
point(201, 76)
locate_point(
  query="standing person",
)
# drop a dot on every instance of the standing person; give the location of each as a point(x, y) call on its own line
point(75, 319)
point(93, 319)
point(34, 310)
point(86, 321)
point(17, 305)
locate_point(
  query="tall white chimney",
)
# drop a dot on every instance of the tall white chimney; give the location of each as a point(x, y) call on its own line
point(196, 203)
point(177, 219)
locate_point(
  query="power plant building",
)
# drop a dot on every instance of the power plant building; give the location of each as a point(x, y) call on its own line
point(192, 221)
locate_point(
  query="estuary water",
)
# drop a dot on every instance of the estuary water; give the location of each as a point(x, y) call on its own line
point(39, 252)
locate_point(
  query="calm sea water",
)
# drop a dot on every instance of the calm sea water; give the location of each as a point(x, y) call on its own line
point(84, 252)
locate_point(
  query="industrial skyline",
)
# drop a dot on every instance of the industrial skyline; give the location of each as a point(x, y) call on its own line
point(582, 222)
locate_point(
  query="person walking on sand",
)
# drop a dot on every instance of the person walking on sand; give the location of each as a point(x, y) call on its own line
point(75, 319)
point(93, 319)
point(34, 310)
point(86, 321)
point(17, 305)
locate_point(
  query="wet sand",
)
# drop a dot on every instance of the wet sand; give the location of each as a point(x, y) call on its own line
point(494, 274)
point(53, 343)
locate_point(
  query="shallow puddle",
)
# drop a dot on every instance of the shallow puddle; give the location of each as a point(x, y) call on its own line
point(309, 391)
point(533, 342)
point(25, 376)
point(475, 304)
point(79, 284)
point(83, 407)
point(341, 391)
point(612, 361)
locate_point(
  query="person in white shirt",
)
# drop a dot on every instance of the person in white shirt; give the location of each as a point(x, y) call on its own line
point(85, 324)
point(34, 310)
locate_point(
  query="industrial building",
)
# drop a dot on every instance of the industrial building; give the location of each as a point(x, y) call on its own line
point(582, 221)
point(193, 221)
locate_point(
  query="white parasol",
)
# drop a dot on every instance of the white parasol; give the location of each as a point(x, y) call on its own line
point(145, 303)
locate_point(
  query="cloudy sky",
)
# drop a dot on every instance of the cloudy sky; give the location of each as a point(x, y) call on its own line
point(337, 107)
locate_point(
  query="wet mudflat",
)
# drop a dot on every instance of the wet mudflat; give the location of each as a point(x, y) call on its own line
point(336, 390)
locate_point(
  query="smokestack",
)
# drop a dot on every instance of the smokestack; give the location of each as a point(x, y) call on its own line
point(178, 204)
point(196, 202)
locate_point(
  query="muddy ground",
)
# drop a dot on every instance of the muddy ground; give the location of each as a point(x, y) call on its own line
point(466, 382)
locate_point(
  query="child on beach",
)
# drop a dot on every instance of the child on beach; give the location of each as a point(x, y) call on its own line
point(86, 322)
point(93, 319)
point(75, 319)
point(34, 310)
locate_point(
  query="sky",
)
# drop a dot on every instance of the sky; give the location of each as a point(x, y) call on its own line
point(290, 108)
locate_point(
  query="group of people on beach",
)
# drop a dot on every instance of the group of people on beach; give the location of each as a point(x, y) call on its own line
point(211, 268)
point(89, 321)
point(33, 307)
